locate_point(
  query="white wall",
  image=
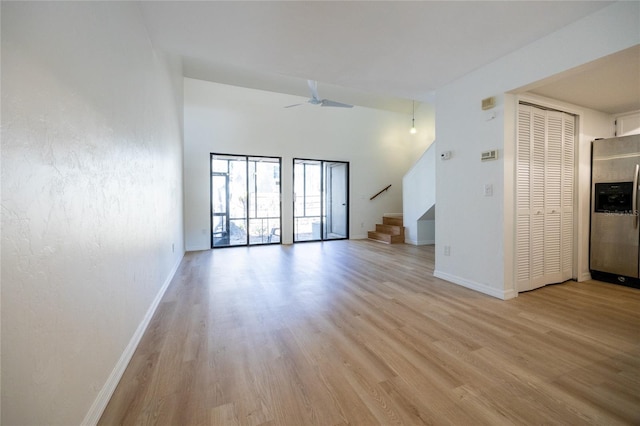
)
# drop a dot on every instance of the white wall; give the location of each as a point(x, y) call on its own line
point(91, 200)
point(232, 120)
point(479, 229)
point(419, 197)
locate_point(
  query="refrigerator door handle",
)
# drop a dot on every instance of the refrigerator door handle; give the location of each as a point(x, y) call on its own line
point(634, 197)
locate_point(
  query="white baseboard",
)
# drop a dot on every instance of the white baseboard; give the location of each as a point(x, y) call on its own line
point(101, 401)
point(419, 242)
point(473, 285)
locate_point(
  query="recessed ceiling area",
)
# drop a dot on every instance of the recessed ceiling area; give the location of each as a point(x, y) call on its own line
point(378, 54)
point(610, 84)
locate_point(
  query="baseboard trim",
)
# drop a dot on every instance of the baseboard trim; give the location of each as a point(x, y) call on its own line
point(101, 401)
point(420, 242)
point(473, 285)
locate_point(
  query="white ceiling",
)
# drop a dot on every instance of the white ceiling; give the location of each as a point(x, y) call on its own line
point(378, 53)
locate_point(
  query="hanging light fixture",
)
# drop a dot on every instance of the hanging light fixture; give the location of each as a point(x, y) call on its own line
point(413, 118)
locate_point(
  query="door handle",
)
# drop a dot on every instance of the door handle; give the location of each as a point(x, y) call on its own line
point(634, 197)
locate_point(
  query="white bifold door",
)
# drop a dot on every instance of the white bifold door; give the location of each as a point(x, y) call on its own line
point(545, 175)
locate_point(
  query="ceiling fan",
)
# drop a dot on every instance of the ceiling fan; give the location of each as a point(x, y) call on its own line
point(315, 99)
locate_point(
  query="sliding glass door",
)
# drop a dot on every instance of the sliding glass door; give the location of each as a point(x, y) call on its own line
point(337, 175)
point(321, 200)
point(245, 200)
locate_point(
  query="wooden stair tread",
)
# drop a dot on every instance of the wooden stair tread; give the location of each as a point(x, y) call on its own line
point(385, 238)
point(392, 220)
point(390, 231)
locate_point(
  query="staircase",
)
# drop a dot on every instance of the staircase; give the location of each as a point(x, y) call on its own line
point(391, 231)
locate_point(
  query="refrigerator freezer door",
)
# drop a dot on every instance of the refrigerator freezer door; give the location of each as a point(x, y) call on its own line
point(614, 244)
point(614, 160)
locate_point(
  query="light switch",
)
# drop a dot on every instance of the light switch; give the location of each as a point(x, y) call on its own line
point(488, 190)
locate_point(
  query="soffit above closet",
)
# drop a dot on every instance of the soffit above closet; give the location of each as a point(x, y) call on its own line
point(610, 84)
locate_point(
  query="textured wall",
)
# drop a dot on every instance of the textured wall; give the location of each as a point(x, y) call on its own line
point(91, 198)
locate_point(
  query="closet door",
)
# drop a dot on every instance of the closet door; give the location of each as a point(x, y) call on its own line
point(568, 192)
point(544, 197)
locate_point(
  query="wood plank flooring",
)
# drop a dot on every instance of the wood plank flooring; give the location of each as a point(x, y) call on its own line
point(360, 333)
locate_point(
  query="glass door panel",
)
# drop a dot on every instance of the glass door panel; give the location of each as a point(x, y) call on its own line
point(264, 200)
point(320, 200)
point(245, 200)
point(238, 202)
point(219, 209)
point(336, 200)
point(307, 200)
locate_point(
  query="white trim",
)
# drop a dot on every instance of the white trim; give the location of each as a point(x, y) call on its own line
point(101, 401)
point(419, 242)
point(482, 288)
point(584, 277)
point(359, 237)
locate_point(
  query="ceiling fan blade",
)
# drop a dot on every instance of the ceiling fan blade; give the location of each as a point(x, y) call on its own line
point(328, 103)
point(313, 86)
point(293, 105)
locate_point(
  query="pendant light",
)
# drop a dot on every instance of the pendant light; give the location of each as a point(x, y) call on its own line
point(413, 118)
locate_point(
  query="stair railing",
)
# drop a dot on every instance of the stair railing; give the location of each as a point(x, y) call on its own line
point(380, 192)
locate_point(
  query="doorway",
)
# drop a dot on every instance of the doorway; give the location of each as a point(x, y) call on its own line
point(245, 200)
point(321, 200)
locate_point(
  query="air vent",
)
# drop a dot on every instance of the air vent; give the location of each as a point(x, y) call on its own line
point(488, 103)
point(489, 155)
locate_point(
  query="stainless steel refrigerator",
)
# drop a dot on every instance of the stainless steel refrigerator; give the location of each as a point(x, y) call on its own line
point(615, 225)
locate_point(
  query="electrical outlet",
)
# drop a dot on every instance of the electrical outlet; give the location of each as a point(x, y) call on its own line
point(488, 190)
point(447, 250)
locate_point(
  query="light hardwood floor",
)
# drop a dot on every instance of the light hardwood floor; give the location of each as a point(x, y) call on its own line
point(361, 333)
